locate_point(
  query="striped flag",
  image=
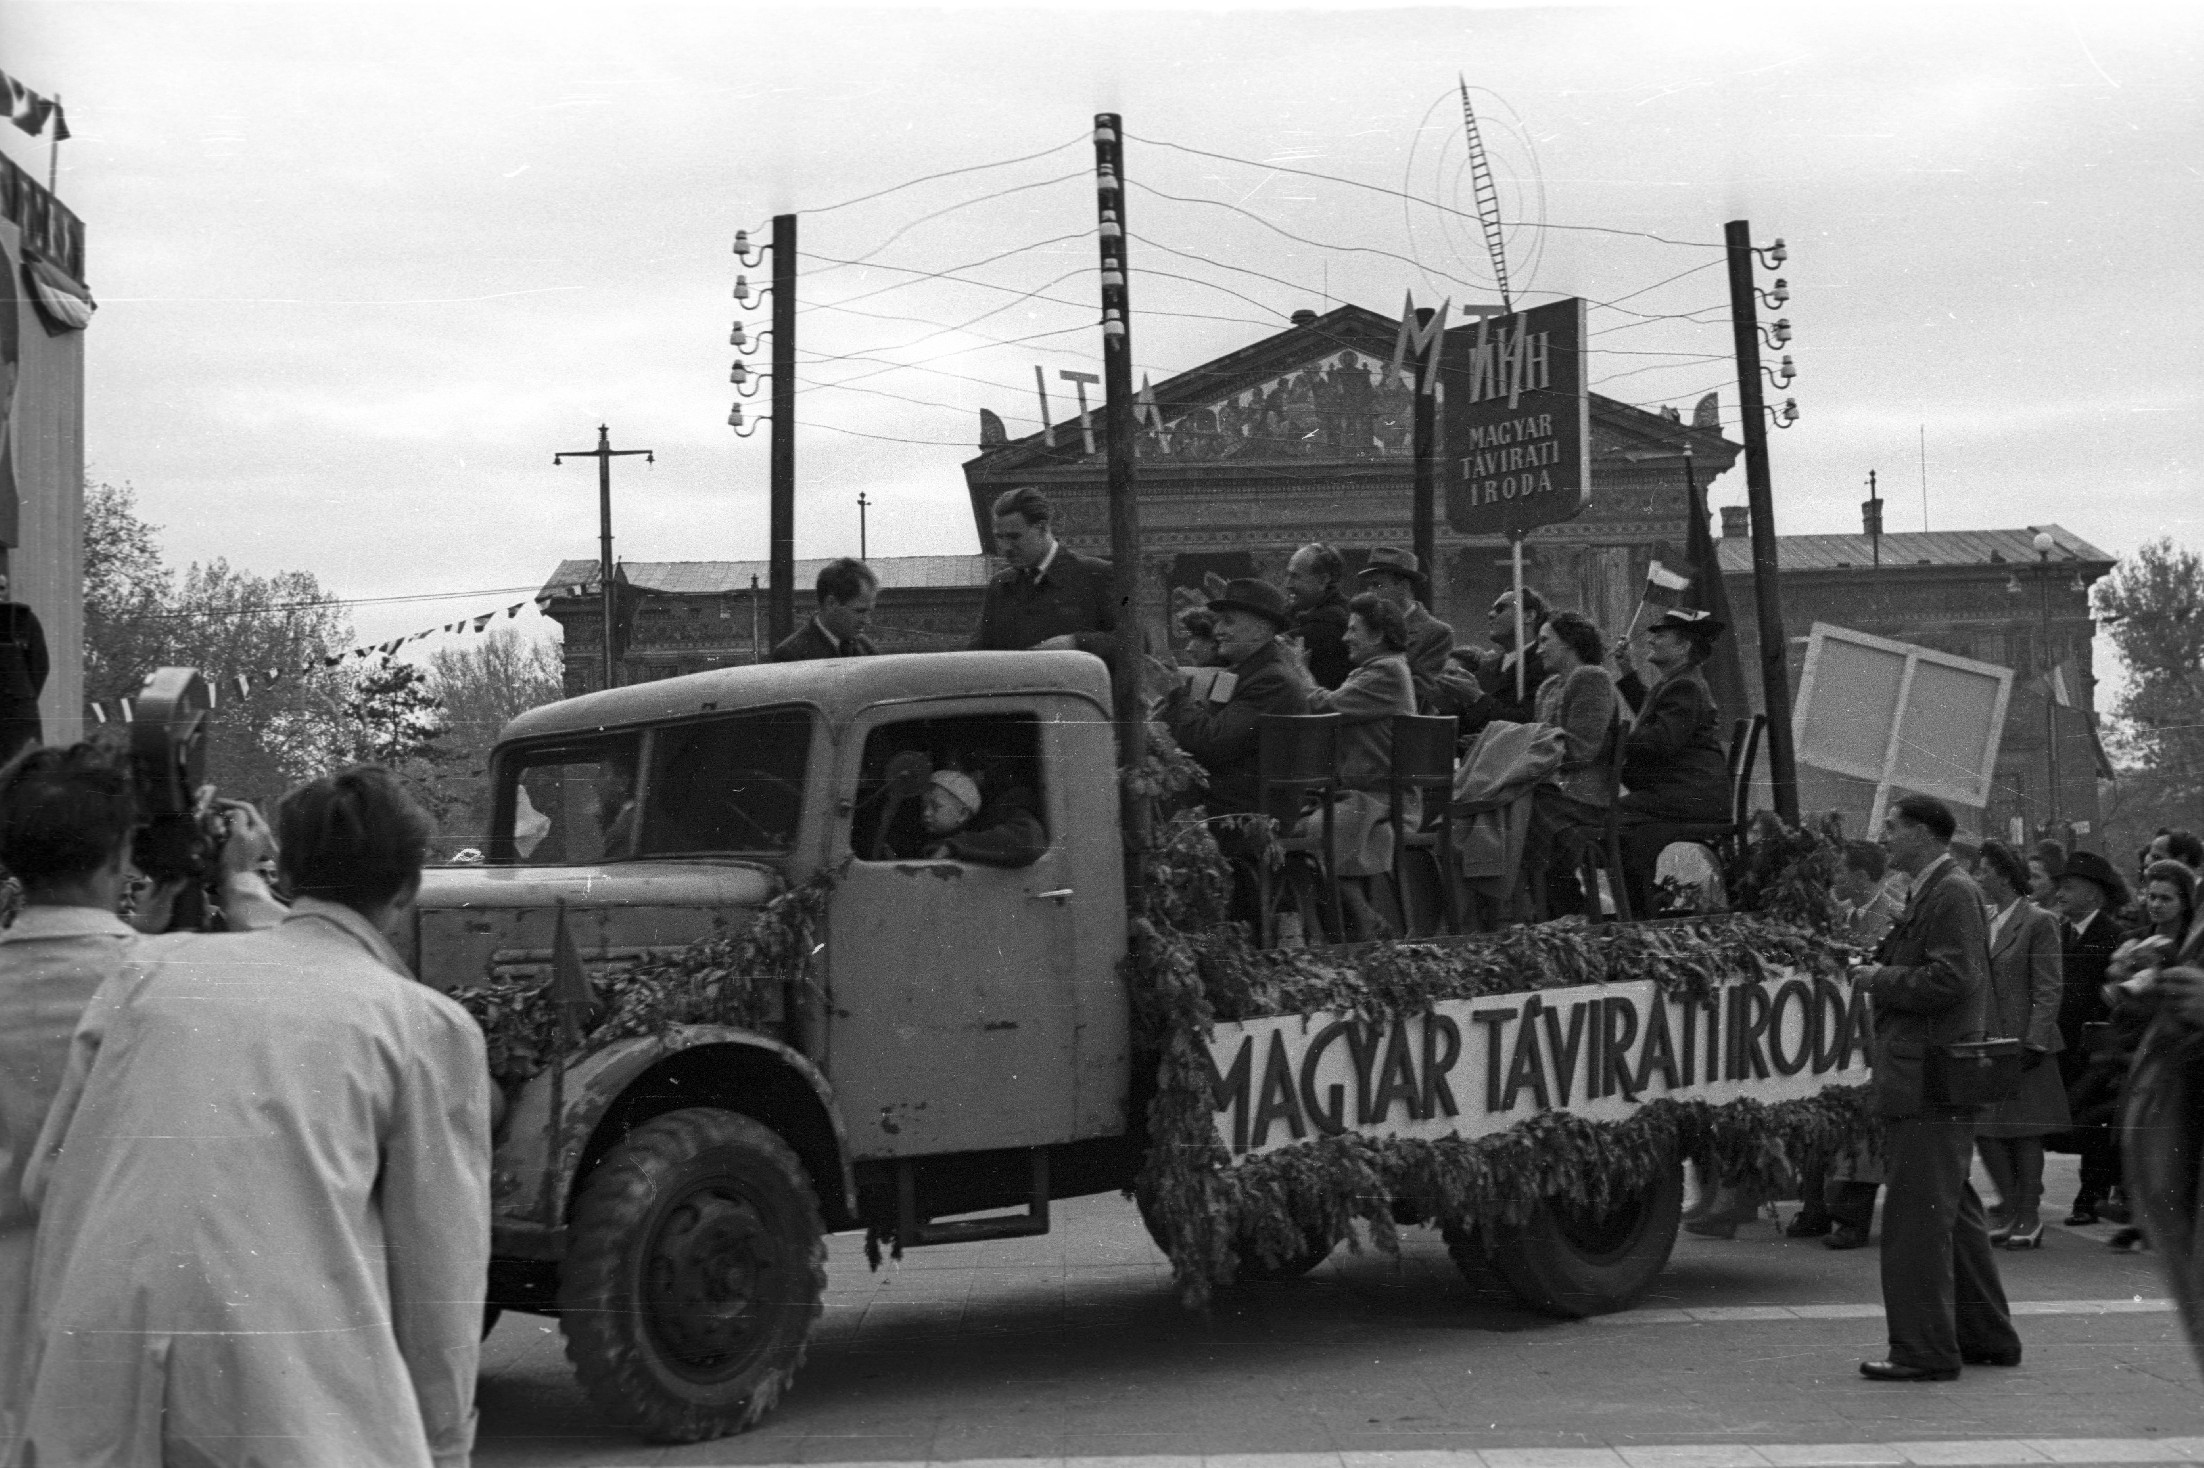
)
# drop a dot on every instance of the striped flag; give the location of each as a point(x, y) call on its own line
point(483, 620)
point(1663, 587)
point(514, 609)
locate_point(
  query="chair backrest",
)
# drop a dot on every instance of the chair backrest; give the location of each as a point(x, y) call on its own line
point(1743, 755)
point(1297, 748)
point(1423, 750)
point(1618, 751)
point(1737, 743)
point(1295, 754)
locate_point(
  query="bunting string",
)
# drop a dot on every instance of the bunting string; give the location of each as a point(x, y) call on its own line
point(240, 686)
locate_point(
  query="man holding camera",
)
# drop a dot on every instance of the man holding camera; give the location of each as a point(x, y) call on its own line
point(67, 819)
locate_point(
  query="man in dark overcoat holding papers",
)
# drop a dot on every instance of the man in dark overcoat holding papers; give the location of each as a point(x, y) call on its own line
point(1941, 1294)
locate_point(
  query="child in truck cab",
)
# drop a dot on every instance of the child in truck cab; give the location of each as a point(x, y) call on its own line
point(1002, 831)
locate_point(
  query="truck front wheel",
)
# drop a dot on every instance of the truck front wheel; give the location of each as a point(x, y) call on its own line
point(693, 1273)
point(1572, 1262)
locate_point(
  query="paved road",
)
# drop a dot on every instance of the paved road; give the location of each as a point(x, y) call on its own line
point(1072, 1346)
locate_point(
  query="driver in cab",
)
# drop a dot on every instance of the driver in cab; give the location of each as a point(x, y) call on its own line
point(1004, 831)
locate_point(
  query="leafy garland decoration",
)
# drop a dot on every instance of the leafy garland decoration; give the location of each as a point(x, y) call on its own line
point(733, 978)
point(1189, 968)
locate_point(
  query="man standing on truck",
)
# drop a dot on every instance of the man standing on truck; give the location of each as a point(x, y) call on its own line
point(846, 590)
point(1396, 576)
point(1049, 597)
point(1320, 611)
point(1941, 1292)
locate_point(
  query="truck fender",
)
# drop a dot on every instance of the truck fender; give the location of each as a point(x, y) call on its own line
point(531, 1188)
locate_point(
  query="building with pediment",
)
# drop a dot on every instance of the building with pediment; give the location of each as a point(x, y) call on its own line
point(1301, 437)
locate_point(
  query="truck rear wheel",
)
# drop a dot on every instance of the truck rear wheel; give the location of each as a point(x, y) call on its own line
point(1571, 1262)
point(693, 1273)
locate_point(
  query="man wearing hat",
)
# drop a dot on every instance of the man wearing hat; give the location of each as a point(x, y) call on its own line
point(1396, 576)
point(1219, 732)
point(1674, 770)
point(2090, 892)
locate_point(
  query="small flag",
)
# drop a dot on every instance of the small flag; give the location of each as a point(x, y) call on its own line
point(244, 685)
point(2058, 687)
point(99, 715)
point(571, 990)
point(1663, 587)
point(61, 123)
point(514, 609)
point(129, 712)
point(483, 620)
point(331, 662)
point(214, 694)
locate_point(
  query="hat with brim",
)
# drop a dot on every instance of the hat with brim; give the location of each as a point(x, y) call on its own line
point(2088, 866)
point(1259, 597)
point(1387, 560)
point(1697, 625)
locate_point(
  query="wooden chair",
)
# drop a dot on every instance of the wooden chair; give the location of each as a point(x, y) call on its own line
point(1297, 756)
point(1423, 759)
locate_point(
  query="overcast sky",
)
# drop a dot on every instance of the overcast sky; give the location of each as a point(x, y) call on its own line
point(362, 269)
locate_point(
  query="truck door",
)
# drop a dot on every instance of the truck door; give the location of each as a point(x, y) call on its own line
point(955, 1011)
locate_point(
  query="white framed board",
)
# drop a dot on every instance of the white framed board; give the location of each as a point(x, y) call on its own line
point(1900, 717)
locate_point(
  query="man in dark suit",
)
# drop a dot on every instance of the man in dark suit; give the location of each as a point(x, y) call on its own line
point(23, 668)
point(1220, 732)
point(1049, 597)
point(2090, 892)
point(1320, 611)
point(1941, 1294)
point(846, 590)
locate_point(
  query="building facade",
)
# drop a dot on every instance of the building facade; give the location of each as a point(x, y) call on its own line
point(1980, 594)
point(1301, 437)
point(685, 616)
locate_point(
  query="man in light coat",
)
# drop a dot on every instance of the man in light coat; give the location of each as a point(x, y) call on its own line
point(264, 1186)
point(66, 817)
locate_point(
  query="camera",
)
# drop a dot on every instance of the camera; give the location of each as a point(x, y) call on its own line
point(180, 832)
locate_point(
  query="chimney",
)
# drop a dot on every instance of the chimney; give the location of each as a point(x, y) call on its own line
point(1304, 317)
point(1736, 522)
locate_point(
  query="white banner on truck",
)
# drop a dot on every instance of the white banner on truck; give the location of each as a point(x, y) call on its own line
point(1472, 1067)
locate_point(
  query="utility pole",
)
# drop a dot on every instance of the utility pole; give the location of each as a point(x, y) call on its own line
point(2044, 545)
point(604, 454)
point(1424, 504)
point(863, 504)
point(1117, 387)
point(781, 553)
point(1873, 514)
point(1775, 677)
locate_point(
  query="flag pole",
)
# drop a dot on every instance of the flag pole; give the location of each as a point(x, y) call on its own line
point(1522, 654)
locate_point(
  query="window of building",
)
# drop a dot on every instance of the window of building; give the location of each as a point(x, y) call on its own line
point(1000, 752)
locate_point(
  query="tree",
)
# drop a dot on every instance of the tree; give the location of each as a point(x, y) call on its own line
point(2152, 605)
point(483, 685)
point(227, 623)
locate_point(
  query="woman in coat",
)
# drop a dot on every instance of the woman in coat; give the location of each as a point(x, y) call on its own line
point(2022, 1004)
point(1578, 698)
point(1378, 687)
point(1675, 773)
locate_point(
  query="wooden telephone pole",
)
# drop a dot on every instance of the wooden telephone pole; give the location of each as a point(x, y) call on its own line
point(604, 454)
point(1117, 388)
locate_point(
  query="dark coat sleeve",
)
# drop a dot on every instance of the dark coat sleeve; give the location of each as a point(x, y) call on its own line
point(1008, 834)
point(2040, 941)
point(1952, 953)
point(1222, 736)
point(1323, 631)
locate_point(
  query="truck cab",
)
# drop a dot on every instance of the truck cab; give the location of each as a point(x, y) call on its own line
point(965, 1047)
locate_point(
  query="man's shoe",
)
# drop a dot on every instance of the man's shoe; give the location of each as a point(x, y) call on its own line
point(1991, 1358)
point(2084, 1214)
point(1844, 1236)
point(1804, 1226)
point(1892, 1371)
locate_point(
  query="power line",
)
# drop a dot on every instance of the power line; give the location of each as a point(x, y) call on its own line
point(947, 173)
point(1399, 194)
point(991, 311)
point(950, 209)
point(1305, 240)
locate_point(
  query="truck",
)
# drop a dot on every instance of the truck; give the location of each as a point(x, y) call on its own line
point(959, 1052)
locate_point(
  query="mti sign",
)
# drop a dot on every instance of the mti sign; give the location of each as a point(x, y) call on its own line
point(1516, 427)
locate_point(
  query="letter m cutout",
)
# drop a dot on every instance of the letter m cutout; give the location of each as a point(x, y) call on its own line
point(1425, 341)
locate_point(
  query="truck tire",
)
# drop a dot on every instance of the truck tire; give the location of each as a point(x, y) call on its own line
point(1250, 1270)
point(1570, 1263)
point(693, 1273)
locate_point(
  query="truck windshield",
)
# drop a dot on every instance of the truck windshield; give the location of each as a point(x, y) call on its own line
point(731, 784)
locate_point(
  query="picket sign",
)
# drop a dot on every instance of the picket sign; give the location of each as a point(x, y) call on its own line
point(1472, 1067)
